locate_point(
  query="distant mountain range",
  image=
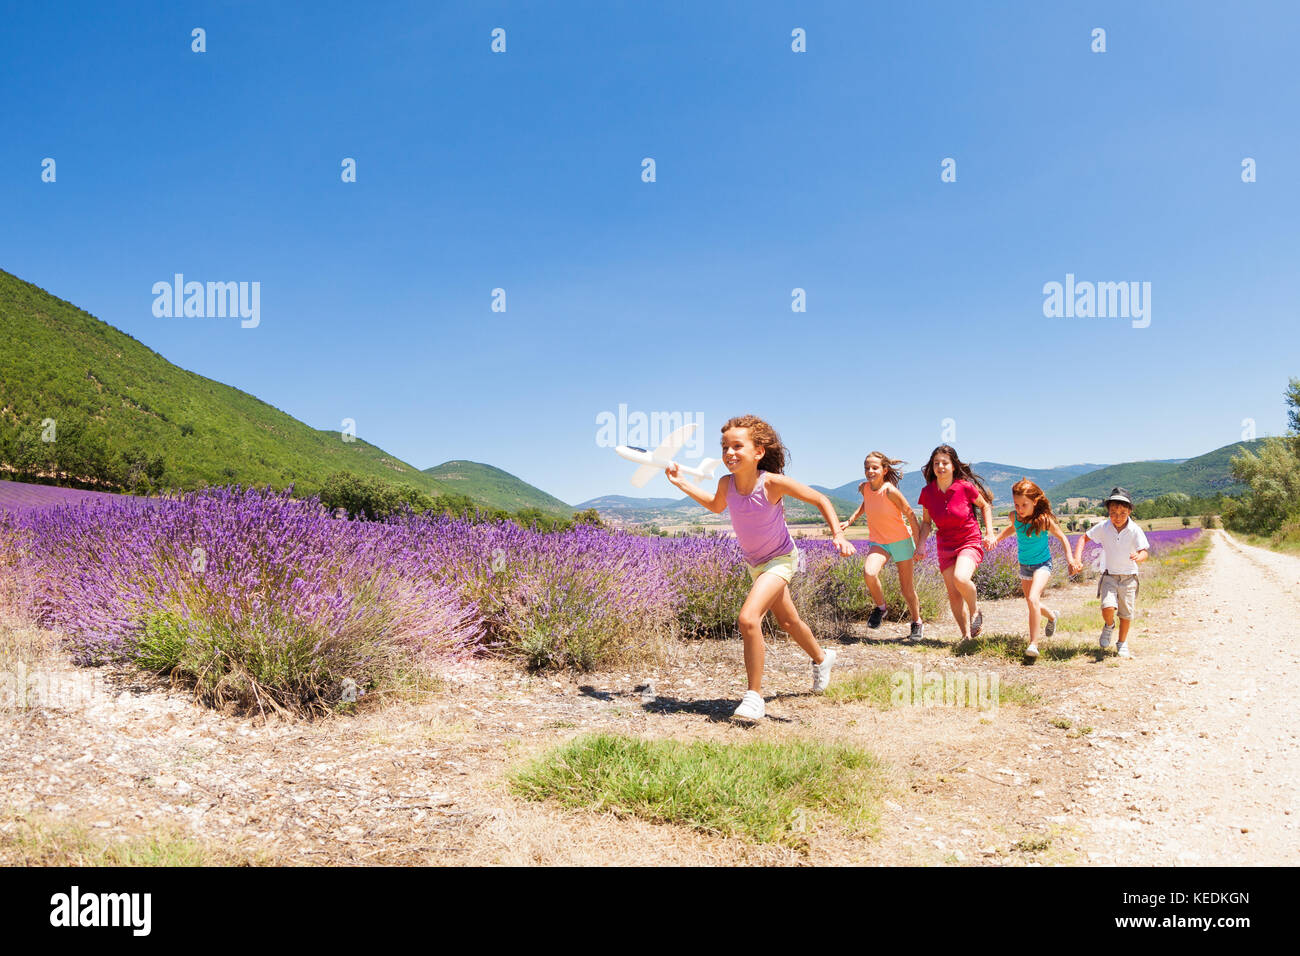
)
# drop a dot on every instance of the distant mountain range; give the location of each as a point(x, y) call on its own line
point(998, 477)
point(1204, 475)
point(114, 394)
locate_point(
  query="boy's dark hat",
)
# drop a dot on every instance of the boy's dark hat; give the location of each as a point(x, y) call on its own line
point(1119, 496)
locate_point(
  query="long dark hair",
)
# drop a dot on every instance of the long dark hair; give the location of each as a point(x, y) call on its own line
point(761, 433)
point(960, 470)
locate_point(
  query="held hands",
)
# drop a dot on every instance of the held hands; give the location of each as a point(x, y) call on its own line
point(844, 526)
point(842, 545)
point(1073, 567)
point(990, 541)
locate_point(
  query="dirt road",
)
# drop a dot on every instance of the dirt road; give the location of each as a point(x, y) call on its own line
point(1217, 778)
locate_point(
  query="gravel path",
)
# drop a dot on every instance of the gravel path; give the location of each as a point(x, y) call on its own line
point(1215, 780)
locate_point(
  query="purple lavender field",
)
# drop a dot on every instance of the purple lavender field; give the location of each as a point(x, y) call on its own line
point(264, 600)
point(20, 496)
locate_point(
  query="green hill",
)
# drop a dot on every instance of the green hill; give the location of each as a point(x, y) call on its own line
point(113, 401)
point(1203, 476)
point(494, 487)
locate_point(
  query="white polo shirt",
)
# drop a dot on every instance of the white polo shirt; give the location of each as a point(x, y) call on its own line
point(1116, 545)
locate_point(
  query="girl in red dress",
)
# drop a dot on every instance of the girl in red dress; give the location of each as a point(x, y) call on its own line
point(948, 501)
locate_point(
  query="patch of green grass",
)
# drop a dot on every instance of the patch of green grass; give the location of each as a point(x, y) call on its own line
point(877, 687)
point(1063, 723)
point(1076, 621)
point(1009, 646)
point(1032, 844)
point(1012, 647)
point(762, 791)
point(873, 686)
point(1022, 695)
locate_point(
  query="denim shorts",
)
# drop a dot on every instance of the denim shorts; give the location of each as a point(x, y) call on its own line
point(1027, 570)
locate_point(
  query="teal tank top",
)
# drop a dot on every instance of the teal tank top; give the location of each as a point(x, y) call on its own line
point(1032, 548)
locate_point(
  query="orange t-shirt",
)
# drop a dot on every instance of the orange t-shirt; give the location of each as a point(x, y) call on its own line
point(885, 523)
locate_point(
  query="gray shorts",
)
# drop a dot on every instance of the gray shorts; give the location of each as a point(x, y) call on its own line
point(1119, 591)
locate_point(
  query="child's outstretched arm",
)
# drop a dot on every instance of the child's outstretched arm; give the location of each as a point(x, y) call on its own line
point(785, 485)
point(717, 504)
point(899, 501)
point(1078, 545)
point(845, 525)
point(987, 507)
point(1008, 530)
point(1074, 566)
point(922, 530)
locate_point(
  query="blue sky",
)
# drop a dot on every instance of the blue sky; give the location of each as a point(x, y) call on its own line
point(775, 170)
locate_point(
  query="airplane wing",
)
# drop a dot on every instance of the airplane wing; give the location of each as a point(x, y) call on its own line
point(674, 442)
point(643, 475)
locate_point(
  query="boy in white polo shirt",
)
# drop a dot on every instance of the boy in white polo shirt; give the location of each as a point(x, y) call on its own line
point(1123, 546)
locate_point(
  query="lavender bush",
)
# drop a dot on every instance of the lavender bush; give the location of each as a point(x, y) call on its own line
point(263, 600)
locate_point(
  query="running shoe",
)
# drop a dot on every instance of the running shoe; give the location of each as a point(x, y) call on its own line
point(751, 706)
point(822, 672)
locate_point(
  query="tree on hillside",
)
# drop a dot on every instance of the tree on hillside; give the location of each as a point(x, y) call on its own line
point(1273, 476)
point(1293, 412)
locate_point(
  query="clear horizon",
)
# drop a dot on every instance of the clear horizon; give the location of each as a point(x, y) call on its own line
point(928, 309)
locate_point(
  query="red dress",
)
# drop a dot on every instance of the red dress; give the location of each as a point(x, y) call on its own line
point(956, 527)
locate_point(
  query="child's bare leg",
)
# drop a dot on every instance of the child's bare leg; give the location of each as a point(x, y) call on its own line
point(1108, 616)
point(957, 602)
point(962, 573)
point(1124, 624)
point(1034, 611)
point(765, 592)
point(1034, 595)
point(788, 620)
point(908, 586)
point(871, 571)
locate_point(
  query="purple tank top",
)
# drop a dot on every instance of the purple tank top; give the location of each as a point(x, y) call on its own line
point(759, 524)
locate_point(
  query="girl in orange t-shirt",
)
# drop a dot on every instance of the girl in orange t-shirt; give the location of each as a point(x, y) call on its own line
point(891, 523)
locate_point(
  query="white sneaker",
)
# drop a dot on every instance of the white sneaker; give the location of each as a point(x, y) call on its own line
point(1106, 632)
point(751, 706)
point(1031, 650)
point(822, 672)
point(1121, 649)
point(1051, 623)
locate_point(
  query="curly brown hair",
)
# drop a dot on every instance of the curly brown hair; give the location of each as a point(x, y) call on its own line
point(775, 454)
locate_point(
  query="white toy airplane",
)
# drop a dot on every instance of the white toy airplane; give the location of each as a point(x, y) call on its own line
point(653, 462)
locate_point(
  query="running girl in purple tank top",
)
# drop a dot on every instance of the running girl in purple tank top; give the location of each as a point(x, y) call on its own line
point(753, 453)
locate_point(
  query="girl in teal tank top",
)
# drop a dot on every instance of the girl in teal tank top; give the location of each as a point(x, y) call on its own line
point(1034, 526)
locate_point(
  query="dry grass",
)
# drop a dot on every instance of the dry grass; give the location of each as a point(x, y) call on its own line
point(36, 839)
